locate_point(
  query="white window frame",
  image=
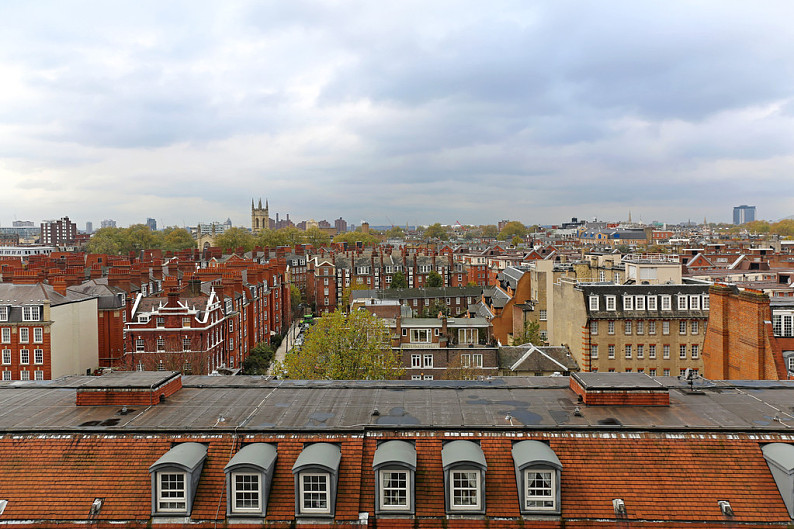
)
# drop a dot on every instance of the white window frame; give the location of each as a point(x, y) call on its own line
point(6, 335)
point(6, 357)
point(610, 303)
point(38, 356)
point(694, 302)
point(428, 360)
point(552, 488)
point(682, 302)
point(453, 489)
point(542, 315)
point(695, 348)
point(4, 312)
point(611, 327)
point(303, 493)
point(628, 303)
point(694, 327)
point(666, 302)
point(652, 303)
point(594, 327)
point(384, 473)
point(38, 335)
point(31, 313)
point(652, 327)
point(24, 356)
point(639, 302)
point(611, 351)
point(235, 492)
point(476, 360)
point(175, 499)
point(652, 351)
point(627, 327)
point(593, 302)
point(24, 335)
point(416, 360)
point(416, 335)
point(594, 351)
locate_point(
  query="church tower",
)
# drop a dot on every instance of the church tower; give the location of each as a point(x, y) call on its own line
point(260, 218)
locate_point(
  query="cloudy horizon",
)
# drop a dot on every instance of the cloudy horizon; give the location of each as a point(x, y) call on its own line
point(394, 113)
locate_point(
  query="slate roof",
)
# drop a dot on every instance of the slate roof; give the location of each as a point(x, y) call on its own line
point(528, 358)
point(419, 293)
point(669, 465)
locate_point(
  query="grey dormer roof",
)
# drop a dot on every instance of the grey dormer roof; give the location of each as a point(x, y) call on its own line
point(187, 456)
point(399, 452)
point(526, 453)
point(457, 452)
point(325, 455)
point(260, 455)
point(780, 458)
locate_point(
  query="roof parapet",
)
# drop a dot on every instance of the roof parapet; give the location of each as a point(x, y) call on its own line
point(619, 389)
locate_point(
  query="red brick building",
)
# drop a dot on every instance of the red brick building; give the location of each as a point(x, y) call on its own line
point(746, 338)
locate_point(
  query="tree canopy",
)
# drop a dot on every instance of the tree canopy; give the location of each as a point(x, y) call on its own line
point(434, 279)
point(353, 237)
point(343, 346)
point(530, 334)
point(115, 241)
point(436, 231)
point(398, 281)
point(234, 238)
point(512, 229)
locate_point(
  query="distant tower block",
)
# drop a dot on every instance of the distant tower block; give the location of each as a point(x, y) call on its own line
point(260, 218)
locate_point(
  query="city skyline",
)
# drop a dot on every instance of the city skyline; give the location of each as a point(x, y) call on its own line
point(395, 114)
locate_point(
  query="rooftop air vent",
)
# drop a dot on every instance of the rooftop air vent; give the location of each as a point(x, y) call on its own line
point(619, 506)
point(725, 507)
point(96, 506)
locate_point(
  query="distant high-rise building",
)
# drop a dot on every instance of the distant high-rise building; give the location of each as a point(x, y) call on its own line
point(341, 225)
point(743, 214)
point(152, 224)
point(58, 232)
point(89, 227)
point(108, 223)
point(23, 224)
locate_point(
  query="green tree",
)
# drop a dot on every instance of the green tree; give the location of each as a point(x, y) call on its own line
point(757, 226)
point(434, 279)
point(343, 346)
point(259, 359)
point(433, 309)
point(530, 334)
point(517, 241)
point(489, 230)
point(141, 237)
point(398, 281)
point(295, 295)
point(316, 237)
point(270, 238)
point(292, 235)
point(175, 239)
point(106, 240)
point(395, 232)
point(353, 237)
point(234, 238)
point(436, 231)
point(512, 229)
point(785, 228)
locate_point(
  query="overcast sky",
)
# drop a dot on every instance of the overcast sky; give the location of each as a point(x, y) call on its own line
point(396, 112)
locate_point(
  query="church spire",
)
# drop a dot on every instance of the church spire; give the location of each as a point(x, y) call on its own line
point(260, 203)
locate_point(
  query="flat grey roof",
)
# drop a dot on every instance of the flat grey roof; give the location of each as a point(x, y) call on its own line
point(623, 381)
point(255, 404)
point(129, 379)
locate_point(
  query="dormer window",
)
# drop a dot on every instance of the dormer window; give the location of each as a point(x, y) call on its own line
point(610, 301)
point(3, 312)
point(780, 458)
point(628, 303)
point(593, 302)
point(175, 478)
point(395, 465)
point(464, 477)
point(248, 478)
point(31, 313)
point(538, 476)
point(316, 473)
